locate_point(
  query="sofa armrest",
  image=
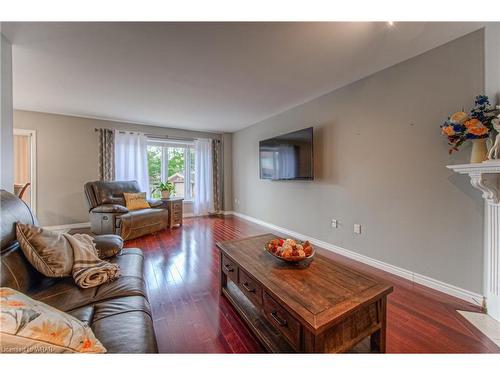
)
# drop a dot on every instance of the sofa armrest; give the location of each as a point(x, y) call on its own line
point(108, 245)
point(155, 203)
point(110, 209)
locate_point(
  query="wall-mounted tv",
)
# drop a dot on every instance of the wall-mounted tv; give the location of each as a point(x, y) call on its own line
point(288, 156)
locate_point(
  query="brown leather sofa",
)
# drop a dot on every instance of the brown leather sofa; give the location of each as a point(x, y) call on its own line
point(118, 312)
point(108, 214)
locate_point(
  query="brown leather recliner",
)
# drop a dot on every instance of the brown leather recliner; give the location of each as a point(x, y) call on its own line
point(118, 312)
point(108, 214)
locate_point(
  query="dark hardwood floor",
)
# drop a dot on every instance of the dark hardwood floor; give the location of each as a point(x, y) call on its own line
point(190, 316)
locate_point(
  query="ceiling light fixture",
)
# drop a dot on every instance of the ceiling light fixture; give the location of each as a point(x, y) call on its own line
point(391, 23)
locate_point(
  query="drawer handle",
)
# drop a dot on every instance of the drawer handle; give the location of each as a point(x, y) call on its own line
point(228, 269)
point(277, 319)
point(247, 287)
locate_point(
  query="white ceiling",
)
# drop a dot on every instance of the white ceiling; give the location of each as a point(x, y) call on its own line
point(202, 76)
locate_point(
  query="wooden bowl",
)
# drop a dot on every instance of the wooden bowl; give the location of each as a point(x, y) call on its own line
point(291, 259)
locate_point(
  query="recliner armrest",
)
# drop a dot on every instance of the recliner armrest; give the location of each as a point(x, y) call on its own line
point(110, 209)
point(155, 203)
point(108, 245)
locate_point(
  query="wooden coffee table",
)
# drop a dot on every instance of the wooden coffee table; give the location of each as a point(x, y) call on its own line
point(315, 306)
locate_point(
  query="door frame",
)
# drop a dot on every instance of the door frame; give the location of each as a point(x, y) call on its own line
point(33, 180)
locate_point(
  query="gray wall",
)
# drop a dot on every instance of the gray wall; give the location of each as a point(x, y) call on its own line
point(492, 60)
point(381, 162)
point(6, 136)
point(67, 158)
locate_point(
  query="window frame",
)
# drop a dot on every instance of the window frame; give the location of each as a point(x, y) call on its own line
point(187, 146)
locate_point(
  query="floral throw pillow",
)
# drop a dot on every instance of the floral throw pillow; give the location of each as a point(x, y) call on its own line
point(30, 326)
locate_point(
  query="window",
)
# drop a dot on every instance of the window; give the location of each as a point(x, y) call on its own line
point(168, 161)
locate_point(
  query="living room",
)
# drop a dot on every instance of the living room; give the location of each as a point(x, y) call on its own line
point(250, 187)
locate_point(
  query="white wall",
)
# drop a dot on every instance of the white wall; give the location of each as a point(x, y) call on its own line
point(6, 127)
point(380, 161)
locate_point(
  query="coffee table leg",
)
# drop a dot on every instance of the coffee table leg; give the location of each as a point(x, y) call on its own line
point(223, 277)
point(378, 338)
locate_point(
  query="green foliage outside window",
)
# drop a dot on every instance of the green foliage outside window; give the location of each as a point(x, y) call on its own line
point(175, 161)
point(175, 165)
point(154, 169)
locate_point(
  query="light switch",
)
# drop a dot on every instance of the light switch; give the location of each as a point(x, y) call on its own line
point(357, 228)
point(334, 223)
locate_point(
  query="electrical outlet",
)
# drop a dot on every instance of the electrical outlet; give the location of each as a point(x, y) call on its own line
point(357, 228)
point(334, 223)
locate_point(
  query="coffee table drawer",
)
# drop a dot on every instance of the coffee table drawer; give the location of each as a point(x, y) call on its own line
point(250, 288)
point(282, 320)
point(230, 268)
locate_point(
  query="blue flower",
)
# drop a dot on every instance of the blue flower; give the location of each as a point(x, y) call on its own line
point(482, 100)
point(471, 136)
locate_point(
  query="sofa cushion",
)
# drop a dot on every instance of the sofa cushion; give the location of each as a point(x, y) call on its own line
point(17, 273)
point(118, 336)
point(84, 313)
point(111, 192)
point(141, 222)
point(34, 327)
point(13, 210)
point(15, 270)
point(144, 216)
point(131, 262)
point(131, 281)
point(116, 306)
point(65, 295)
point(48, 251)
point(111, 320)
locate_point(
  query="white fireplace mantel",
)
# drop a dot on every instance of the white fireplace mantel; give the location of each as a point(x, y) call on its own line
point(485, 176)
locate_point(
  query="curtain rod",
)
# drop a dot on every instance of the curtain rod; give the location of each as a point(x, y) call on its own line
point(158, 136)
point(119, 131)
point(170, 137)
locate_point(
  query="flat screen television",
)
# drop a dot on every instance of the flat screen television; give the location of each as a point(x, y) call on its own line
point(287, 157)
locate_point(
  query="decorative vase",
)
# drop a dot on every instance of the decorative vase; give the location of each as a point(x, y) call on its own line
point(479, 151)
point(165, 194)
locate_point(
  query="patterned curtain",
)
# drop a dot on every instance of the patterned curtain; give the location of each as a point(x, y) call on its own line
point(217, 174)
point(106, 154)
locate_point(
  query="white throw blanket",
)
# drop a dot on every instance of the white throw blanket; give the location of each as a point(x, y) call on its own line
point(88, 270)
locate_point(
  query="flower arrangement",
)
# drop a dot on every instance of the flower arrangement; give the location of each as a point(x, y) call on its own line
point(461, 127)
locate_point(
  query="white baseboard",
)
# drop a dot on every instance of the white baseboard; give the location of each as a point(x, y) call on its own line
point(66, 227)
point(452, 290)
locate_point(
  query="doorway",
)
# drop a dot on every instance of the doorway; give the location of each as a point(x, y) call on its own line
point(25, 166)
